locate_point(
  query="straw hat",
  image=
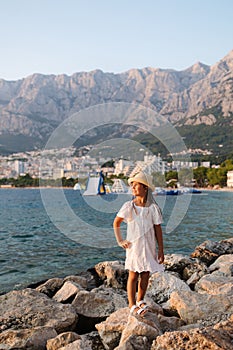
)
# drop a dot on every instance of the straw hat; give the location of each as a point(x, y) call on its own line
point(142, 178)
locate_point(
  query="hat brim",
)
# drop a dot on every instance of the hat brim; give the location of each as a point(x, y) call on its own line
point(141, 181)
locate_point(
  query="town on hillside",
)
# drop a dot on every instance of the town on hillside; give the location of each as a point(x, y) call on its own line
point(66, 163)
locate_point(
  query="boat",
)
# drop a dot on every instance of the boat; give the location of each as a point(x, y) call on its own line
point(77, 187)
point(166, 192)
point(173, 192)
point(192, 190)
point(95, 185)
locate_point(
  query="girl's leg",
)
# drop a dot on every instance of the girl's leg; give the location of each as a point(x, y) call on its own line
point(143, 284)
point(132, 287)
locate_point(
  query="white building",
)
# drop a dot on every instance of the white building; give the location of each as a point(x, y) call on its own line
point(230, 178)
point(178, 164)
point(123, 167)
point(150, 164)
point(19, 167)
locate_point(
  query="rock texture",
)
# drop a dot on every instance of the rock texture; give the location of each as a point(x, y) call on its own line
point(69, 314)
point(34, 106)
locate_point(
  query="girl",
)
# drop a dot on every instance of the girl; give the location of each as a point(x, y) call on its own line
point(143, 218)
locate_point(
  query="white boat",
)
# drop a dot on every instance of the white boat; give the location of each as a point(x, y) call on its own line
point(119, 186)
point(77, 187)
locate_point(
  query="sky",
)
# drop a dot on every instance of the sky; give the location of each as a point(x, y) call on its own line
point(68, 36)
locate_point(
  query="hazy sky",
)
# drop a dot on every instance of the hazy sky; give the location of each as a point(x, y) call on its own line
point(67, 36)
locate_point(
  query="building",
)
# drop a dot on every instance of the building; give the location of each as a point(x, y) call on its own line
point(230, 178)
point(150, 164)
point(19, 167)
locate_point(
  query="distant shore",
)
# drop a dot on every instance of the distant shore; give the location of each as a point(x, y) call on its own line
point(222, 189)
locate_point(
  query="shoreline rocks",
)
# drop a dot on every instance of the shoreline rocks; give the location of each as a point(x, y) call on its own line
point(190, 303)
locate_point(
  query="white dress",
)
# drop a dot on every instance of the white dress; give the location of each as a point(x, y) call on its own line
point(141, 256)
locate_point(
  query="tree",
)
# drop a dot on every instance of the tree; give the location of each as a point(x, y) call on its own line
point(200, 175)
point(159, 179)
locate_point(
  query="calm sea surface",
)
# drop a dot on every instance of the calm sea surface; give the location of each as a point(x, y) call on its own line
point(35, 234)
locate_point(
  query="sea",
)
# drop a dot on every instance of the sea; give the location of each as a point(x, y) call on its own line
point(46, 233)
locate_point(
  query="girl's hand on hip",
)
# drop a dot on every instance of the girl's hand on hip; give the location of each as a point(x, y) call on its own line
point(124, 244)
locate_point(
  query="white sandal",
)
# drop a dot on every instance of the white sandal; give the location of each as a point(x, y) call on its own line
point(143, 308)
point(138, 312)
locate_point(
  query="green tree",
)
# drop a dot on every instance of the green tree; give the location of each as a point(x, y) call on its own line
point(200, 175)
point(185, 177)
point(159, 179)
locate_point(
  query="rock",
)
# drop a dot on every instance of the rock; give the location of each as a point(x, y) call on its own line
point(50, 287)
point(192, 306)
point(99, 303)
point(223, 265)
point(79, 344)
point(62, 340)
point(139, 327)
point(135, 342)
point(67, 292)
point(162, 284)
point(81, 281)
point(168, 324)
point(90, 341)
point(209, 251)
point(176, 262)
point(33, 338)
point(111, 329)
point(113, 273)
point(219, 337)
point(28, 308)
point(215, 285)
point(194, 267)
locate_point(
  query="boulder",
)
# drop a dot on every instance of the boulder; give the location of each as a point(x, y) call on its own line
point(162, 284)
point(176, 262)
point(113, 273)
point(33, 338)
point(218, 337)
point(135, 342)
point(50, 287)
point(62, 340)
point(209, 251)
point(193, 307)
point(111, 329)
point(79, 344)
point(99, 303)
point(223, 265)
point(88, 341)
point(146, 328)
point(215, 285)
point(80, 280)
point(67, 292)
point(28, 308)
point(168, 324)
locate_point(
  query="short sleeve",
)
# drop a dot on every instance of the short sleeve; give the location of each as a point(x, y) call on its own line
point(157, 214)
point(125, 211)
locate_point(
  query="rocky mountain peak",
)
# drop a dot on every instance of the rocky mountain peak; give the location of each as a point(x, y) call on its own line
point(33, 106)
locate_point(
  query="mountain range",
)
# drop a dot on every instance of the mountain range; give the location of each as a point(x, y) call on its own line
point(195, 100)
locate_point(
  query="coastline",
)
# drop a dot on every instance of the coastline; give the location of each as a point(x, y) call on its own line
point(190, 299)
point(218, 189)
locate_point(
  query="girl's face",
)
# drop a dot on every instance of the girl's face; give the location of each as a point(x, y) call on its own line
point(138, 189)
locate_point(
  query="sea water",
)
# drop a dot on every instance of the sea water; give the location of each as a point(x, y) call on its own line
point(41, 238)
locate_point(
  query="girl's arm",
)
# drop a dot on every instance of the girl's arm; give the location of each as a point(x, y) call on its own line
point(159, 238)
point(116, 225)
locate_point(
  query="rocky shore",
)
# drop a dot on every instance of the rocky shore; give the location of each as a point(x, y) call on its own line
point(191, 307)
